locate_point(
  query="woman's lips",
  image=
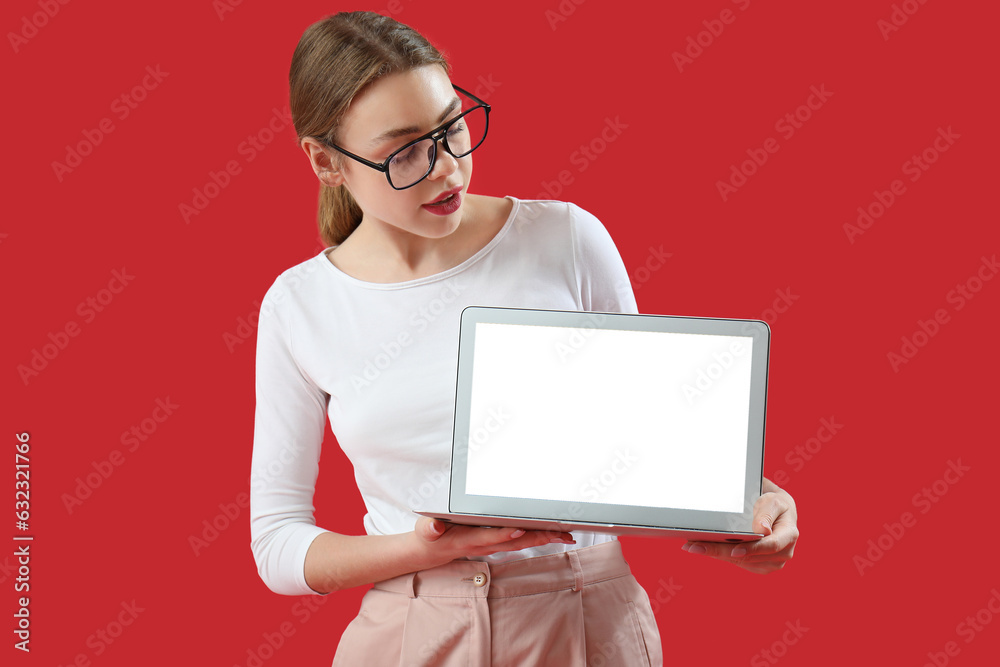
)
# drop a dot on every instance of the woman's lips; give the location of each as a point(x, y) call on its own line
point(444, 195)
point(449, 205)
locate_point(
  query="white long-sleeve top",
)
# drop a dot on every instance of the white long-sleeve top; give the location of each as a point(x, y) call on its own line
point(379, 360)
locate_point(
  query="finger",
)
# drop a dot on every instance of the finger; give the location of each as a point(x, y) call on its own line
point(783, 537)
point(728, 551)
point(763, 567)
point(721, 550)
point(766, 511)
point(767, 486)
point(763, 558)
point(759, 563)
point(430, 529)
point(784, 530)
point(536, 537)
point(490, 540)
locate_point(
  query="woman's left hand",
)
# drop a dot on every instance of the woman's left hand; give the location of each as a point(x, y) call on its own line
point(774, 516)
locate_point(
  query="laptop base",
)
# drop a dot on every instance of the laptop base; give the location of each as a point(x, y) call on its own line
point(607, 528)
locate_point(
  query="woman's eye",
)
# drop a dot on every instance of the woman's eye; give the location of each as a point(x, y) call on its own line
point(403, 156)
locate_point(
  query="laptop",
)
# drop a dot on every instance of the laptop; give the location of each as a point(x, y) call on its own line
point(608, 422)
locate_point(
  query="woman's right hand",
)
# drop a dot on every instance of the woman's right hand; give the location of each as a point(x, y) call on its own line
point(439, 542)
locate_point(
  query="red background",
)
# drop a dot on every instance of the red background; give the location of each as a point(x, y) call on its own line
point(554, 84)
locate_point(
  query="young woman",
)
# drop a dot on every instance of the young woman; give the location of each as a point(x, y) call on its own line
point(366, 334)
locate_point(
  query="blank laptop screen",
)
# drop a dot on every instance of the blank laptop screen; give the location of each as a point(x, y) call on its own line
point(609, 416)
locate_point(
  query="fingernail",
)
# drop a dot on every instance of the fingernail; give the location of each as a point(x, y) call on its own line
point(561, 540)
point(685, 546)
point(697, 549)
point(437, 528)
point(516, 533)
point(738, 551)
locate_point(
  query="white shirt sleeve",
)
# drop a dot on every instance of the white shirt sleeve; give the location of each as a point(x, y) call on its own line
point(600, 273)
point(289, 422)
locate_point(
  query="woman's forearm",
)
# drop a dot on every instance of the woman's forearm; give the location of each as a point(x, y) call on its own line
point(336, 562)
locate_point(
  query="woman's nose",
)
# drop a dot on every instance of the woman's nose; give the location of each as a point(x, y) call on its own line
point(444, 164)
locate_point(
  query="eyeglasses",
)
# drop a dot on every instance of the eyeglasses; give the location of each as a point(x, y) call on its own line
point(412, 163)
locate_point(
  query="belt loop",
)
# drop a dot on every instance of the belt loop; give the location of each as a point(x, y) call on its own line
point(574, 561)
point(409, 584)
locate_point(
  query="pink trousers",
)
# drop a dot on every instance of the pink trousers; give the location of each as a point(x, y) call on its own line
point(577, 608)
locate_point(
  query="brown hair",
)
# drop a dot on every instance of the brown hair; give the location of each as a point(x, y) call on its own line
point(336, 58)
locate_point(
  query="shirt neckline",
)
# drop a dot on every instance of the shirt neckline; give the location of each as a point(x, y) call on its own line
point(436, 277)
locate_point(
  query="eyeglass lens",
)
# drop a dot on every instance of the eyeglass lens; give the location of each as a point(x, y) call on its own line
point(414, 162)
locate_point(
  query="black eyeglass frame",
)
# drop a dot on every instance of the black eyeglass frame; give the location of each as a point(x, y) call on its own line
point(439, 133)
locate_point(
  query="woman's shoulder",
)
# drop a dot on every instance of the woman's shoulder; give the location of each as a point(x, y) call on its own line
point(291, 282)
point(556, 208)
point(492, 212)
point(554, 216)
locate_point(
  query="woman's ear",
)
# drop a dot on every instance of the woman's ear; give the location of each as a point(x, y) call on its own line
point(322, 163)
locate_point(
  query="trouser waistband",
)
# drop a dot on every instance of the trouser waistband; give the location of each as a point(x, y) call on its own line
point(571, 569)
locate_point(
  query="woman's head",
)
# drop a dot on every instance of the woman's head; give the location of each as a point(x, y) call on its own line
point(353, 76)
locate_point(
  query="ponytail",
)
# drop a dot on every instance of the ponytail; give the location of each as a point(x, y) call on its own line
point(339, 214)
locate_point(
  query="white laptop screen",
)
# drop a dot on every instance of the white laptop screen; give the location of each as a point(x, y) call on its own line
point(609, 416)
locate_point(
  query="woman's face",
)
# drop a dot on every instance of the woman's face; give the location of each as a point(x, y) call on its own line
point(417, 101)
